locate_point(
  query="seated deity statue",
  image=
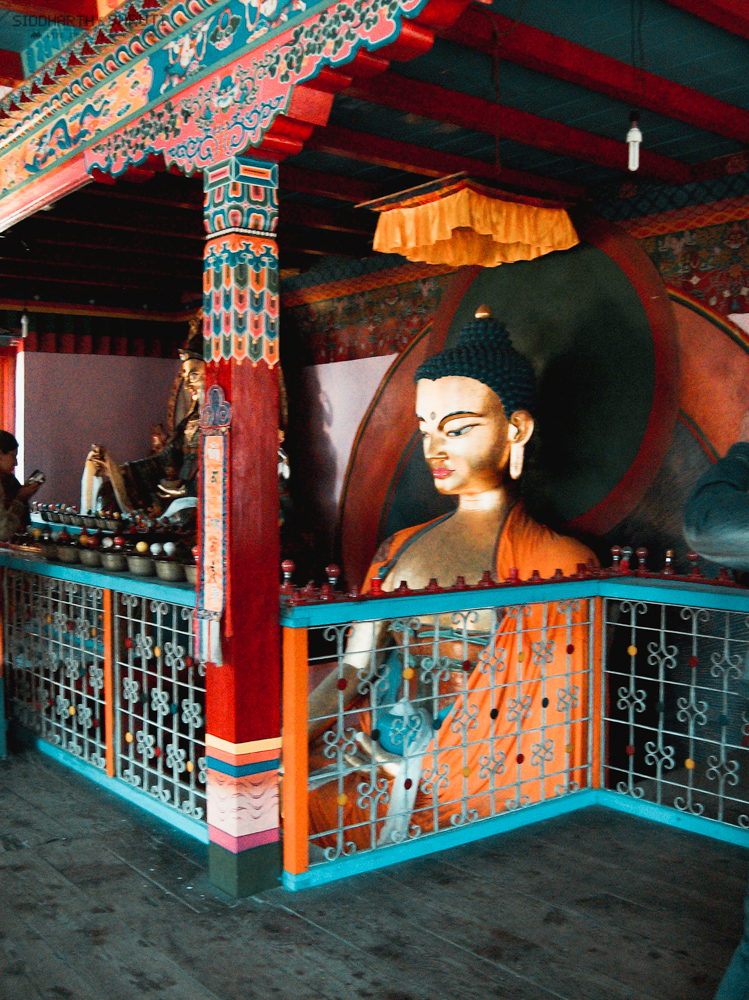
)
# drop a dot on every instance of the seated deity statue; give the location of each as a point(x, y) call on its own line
point(169, 474)
point(457, 717)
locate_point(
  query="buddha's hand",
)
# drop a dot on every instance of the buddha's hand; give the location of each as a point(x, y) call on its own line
point(97, 456)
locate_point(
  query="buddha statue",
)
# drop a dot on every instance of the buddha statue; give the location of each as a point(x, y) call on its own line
point(417, 767)
point(153, 484)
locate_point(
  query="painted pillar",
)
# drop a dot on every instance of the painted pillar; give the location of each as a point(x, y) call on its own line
point(239, 562)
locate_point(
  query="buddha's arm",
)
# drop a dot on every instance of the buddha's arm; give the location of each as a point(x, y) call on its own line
point(361, 649)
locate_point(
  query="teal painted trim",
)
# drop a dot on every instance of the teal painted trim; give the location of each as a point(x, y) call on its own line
point(240, 770)
point(673, 817)
point(123, 583)
point(661, 591)
point(369, 861)
point(372, 860)
point(143, 801)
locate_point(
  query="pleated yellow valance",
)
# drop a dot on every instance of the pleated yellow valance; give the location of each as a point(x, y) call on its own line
point(466, 223)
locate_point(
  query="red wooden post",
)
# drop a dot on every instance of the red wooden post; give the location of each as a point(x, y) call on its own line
point(243, 718)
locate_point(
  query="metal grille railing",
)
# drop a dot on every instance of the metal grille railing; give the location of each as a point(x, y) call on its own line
point(55, 659)
point(112, 679)
point(444, 720)
point(159, 732)
point(678, 716)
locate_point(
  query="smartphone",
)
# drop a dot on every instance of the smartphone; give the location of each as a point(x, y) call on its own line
point(37, 476)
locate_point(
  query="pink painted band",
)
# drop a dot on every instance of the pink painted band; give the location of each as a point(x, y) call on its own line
point(237, 759)
point(239, 844)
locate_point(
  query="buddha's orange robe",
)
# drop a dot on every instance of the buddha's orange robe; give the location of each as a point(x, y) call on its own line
point(457, 780)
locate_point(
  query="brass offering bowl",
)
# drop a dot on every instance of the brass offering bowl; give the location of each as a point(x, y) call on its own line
point(90, 557)
point(191, 573)
point(141, 565)
point(68, 554)
point(167, 569)
point(114, 561)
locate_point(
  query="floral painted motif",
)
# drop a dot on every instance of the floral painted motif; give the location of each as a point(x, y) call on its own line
point(367, 323)
point(710, 264)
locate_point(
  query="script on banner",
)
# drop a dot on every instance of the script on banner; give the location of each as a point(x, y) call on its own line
point(215, 419)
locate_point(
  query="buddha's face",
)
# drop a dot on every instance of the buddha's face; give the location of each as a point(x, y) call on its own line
point(466, 434)
point(193, 377)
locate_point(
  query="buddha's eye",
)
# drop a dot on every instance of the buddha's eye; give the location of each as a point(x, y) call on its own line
point(460, 431)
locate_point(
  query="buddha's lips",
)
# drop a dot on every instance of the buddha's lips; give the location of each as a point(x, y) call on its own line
point(441, 473)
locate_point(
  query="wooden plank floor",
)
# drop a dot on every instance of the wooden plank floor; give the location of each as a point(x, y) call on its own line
point(99, 902)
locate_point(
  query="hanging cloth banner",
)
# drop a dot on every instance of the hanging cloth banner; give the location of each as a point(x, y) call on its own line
point(213, 584)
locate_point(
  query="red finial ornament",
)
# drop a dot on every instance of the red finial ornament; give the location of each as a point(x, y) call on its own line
point(616, 555)
point(694, 568)
point(668, 568)
point(642, 554)
point(332, 572)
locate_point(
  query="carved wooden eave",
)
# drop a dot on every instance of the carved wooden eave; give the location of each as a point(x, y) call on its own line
point(194, 82)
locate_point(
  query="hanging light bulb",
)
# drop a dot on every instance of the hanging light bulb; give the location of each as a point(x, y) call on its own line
point(634, 138)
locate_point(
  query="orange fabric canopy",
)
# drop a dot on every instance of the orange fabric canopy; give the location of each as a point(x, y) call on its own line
point(472, 225)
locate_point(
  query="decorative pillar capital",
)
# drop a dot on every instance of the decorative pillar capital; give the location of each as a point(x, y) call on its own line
point(240, 275)
point(241, 196)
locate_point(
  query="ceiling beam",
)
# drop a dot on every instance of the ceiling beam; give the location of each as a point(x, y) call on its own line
point(327, 185)
point(328, 219)
point(556, 57)
point(474, 113)
point(71, 274)
point(123, 216)
point(368, 148)
point(82, 235)
point(731, 15)
point(323, 243)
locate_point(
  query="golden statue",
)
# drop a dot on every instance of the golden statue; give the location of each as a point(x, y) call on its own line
point(152, 485)
point(474, 405)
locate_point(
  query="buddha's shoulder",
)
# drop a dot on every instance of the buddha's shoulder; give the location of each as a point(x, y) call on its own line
point(548, 550)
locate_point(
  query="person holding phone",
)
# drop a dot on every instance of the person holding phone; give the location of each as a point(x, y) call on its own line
point(14, 498)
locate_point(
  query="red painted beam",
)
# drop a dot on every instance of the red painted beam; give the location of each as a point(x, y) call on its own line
point(11, 71)
point(442, 105)
point(556, 57)
point(368, 148)
point(81, 14)
point(328, 185)
point(731, 15)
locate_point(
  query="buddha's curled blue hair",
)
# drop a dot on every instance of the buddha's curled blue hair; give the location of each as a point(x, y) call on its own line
point(484, 352)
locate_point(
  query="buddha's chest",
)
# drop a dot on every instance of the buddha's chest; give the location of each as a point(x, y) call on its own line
point(448, 550)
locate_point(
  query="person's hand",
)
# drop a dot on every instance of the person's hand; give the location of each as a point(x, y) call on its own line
point(28, 490)
point(98, 455)
point(744, 428)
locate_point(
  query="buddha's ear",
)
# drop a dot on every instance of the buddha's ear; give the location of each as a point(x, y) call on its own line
point(520, 427)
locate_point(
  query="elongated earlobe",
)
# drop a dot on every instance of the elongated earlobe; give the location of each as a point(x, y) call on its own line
point(517, 454)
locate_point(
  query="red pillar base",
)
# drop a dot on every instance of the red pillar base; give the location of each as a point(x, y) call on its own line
point(245, 873)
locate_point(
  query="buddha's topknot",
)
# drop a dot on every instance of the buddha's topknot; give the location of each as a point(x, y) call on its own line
point(484, 352)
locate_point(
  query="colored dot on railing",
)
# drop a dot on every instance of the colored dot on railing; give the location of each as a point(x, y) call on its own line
point(545, 702)
point(408, 674)
point(569, 748)
point(174, 708)
point(128, 643)
point(521, 656)
point(693, 661)
point(157, 751)
point(660, 707)
point(190, 766)
point(467, 665)
point(71, 626)
point(466, 772)
point(188, 661)
point(128, 737)
point(494, 713)
point(342, 799)
point(570, 649)
point(520, 758)
point(722, 720)
point(342, 684)
point(96, 722)
point(71, 710)
point(689, 764)
point(48, 619)
point(93, 633)
point(156, 652)
point(407, 783)
point(631, 650)
point(631, 751)
point(437, 724)
point(375, 734)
